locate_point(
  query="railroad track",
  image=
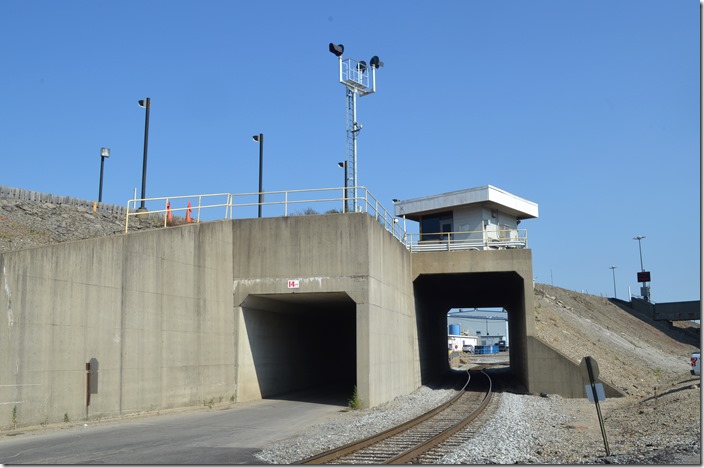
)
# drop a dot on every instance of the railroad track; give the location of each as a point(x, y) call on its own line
point(418, 440)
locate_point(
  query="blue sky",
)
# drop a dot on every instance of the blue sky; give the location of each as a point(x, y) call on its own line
point(590, 109)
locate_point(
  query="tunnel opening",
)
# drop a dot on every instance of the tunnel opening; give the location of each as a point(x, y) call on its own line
point(303, 346)
point(436, 294)
point(477, 336)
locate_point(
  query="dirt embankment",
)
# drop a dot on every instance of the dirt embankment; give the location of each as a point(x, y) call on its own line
point(25, 224)
point(635, 354)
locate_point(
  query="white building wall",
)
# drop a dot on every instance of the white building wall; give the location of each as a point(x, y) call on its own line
point(472, 326)
point(467, 220)
point(497, 223)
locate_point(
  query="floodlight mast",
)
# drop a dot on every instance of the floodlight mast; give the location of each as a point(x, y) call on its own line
point(355, 75)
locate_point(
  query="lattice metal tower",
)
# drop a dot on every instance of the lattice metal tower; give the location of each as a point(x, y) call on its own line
point(358, 80)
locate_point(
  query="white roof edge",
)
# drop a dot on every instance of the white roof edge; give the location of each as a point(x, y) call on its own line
point(510, 200)
point(476, 195)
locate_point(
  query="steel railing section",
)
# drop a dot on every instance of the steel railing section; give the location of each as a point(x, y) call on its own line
point(278, 203)
point(178, 206)
point(468, 240)
point(210, 207)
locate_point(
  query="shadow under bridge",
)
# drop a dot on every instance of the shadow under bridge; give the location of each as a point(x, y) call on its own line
point(302, 342)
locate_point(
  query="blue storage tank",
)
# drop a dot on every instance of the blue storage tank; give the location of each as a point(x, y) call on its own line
point(455, 329)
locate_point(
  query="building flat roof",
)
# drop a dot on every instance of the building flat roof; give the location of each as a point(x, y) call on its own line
point(488, 196)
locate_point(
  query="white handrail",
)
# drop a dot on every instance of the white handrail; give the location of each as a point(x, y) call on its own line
point(238, 203)
point(468, 240)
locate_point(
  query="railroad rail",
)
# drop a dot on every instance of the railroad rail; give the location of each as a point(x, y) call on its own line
point(408, 442)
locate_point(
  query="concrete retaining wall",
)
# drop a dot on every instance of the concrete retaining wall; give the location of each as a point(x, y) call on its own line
point(555, 373)
point(669, 311)
point(152, 310)
point(181, 316)
point(642, 306)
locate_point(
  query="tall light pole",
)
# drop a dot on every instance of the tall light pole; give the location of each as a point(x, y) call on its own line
point(358, 80)
point(613, 271)
point(260, 139)
point(146, 103)
point(104, 153)
point(643, 276)
point(640, 251)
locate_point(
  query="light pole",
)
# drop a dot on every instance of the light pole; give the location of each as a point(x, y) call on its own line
point(343, 165)
point(104, 153)
point(643, 276)
point(358, 80)
point(613, 272)
point(260, 139)
point(146, 103)
point(640, 251)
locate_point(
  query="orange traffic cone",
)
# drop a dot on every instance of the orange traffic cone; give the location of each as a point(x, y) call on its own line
point(169, 215)
point(188, 213)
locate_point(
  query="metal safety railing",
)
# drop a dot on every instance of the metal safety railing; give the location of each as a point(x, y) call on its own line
point(468, 240)
point(196, 208)
point(209, 207)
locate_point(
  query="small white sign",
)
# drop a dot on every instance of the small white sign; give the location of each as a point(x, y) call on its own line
point(599, 392)
point(294, 284)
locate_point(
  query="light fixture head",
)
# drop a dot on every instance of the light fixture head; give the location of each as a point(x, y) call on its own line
point(341, 164)
point(375, 62)
point(142, 102)
point(104, 152)
point(395, 200)
point(255, 137)
point(362, 66)
point(336, 49)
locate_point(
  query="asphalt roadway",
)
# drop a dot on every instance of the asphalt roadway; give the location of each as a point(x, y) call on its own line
point(226, 435)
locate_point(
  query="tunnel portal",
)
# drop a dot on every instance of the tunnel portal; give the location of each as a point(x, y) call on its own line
point(435, 294)
point(301, 342)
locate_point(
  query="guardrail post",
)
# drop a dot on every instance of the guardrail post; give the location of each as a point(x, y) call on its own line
point(127, 217)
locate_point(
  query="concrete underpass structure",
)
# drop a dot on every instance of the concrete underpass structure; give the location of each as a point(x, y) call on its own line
point(244, 309)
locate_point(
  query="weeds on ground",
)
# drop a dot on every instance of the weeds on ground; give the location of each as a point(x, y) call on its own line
point(355, 402)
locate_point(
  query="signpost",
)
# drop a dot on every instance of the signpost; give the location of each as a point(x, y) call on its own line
point(595, 392)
